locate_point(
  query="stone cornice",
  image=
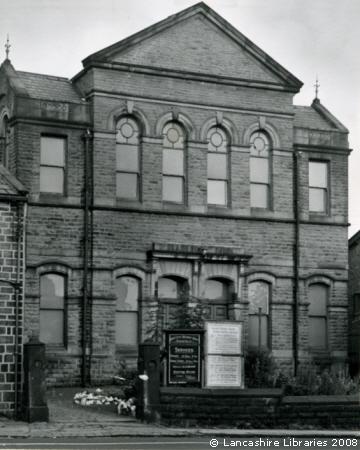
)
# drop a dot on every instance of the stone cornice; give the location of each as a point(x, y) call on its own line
point(185, 75)
point(322, 149)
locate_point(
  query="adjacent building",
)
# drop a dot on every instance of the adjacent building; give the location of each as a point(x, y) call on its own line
point(176, 163)
point(354, 303)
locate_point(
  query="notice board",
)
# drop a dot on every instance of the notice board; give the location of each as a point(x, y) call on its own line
point(224, 359)
point(184, 350)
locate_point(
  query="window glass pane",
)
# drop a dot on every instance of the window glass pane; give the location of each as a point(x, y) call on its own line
point(126, 328)
point(127, 158)
point(173, 189)
point(52, 291)
point(317, 174)
point(171, 314)
point(317, 332)
point(317, 299)
point(254, 330)
point(317, 200)
point(217, 166)
point(127, 131)
point(216, 290)
point(259, 144)
point(259, 195)
point(173, 136)
point(51, 327)
point(127, 293)
point(173, 162)
point(356, 299)
point(217, 140)
point(216, 192)
point(168, 288)
point(220, 312)
point(52, 151)
point(127, 185)
point(258, 297)
point(208, 312)
point(259, 170)
point(215, 312)
point(3, 126)
point(52, 180)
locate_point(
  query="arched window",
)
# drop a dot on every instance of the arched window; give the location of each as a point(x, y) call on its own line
point(171, 291)
point(259, 314)
point(318, 299)
point(217, 294)
point(52, 308)
point(127, 159)
point(127, 307)
point(217, 167)
point(173, 163)
point(4, 144)
point(259, 170)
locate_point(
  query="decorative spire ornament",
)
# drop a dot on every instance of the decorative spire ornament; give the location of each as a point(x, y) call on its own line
point(316, 86)
point(7, 46)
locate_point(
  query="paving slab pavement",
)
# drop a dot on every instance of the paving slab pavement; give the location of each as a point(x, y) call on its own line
point(67, 420)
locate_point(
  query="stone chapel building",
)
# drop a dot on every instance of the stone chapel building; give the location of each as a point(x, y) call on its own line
point(174, 162)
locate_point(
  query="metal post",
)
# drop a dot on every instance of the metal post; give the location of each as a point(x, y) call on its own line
point(149, 382)
point(260, 327)
point(297, 155)
point(36, 409)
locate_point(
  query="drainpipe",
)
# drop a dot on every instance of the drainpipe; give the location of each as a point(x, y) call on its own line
point(297, 155)
point(87, 138)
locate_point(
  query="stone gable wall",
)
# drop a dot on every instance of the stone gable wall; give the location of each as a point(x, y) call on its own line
point(196, 46)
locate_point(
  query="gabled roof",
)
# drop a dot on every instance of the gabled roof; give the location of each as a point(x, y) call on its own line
point(355, 239)
point(49, 87)
point(38, 86)
point(142, 49)
point(317, 117)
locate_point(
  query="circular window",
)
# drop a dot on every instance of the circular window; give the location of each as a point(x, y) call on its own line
point(217, 140)
point(173, 135)
point(259, 144)
point(127, 130)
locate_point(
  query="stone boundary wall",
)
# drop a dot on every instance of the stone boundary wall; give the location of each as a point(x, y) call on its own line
point(256, 408)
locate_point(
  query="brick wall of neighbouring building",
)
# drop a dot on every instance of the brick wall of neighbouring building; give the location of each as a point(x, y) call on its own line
point(11, 304)
point(354, 303)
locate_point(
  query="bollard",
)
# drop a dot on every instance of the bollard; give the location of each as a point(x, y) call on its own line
point(149, 382)
point(35, 406)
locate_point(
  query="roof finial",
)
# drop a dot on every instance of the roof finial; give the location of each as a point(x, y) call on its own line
point(316, 86)
point(7, 46)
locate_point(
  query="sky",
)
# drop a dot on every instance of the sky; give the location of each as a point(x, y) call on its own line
point(310, 38)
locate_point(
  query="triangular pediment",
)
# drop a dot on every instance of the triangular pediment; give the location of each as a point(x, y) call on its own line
point(197, 41)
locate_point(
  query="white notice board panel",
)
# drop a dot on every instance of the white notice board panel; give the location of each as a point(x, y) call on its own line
point(224, 338)
point(224, 361)
point(223, 371)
